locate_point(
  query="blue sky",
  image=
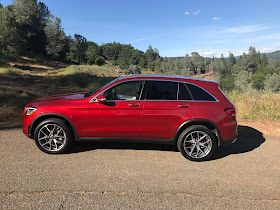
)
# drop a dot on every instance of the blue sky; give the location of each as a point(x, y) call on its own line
point(174, 27)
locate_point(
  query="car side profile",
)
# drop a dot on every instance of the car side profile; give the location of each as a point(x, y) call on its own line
point(192, 113)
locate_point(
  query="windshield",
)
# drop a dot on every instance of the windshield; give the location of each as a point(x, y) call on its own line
point(93, 92)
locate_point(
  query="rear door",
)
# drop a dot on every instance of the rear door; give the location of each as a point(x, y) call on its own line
point(168, 105)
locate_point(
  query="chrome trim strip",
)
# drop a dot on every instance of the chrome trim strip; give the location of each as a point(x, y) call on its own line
point(170, 80)
point(205, 91)
point(94, 98)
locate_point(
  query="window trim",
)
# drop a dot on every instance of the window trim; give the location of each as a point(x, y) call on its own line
point(145, 81)
point(216, 100)
point(157, 80)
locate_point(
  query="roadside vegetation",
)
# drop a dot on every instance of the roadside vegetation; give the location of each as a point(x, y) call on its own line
point(38, 59)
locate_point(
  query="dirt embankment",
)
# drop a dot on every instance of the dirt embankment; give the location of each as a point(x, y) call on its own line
point(267, 127)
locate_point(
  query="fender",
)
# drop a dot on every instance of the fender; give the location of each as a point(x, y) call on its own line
point(196, 122)
point(30, 128)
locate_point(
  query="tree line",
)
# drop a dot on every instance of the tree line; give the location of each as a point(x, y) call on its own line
point(27, 27)
point(251, 70)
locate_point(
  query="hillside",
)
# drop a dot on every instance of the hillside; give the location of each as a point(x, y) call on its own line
point(275, 55)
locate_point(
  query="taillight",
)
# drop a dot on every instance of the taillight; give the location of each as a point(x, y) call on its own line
point(230, 111)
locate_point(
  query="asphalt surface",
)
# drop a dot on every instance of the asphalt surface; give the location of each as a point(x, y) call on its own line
point(245, 175)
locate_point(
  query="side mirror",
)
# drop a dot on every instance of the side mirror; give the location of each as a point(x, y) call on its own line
point(101, 98)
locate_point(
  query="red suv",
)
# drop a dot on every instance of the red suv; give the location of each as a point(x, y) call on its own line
point(192, 113)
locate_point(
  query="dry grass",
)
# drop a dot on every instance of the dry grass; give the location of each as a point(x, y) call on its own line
point(7, 69)
point(255, 104)
point(99, 71)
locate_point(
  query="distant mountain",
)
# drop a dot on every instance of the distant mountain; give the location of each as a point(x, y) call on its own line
point(275, 55)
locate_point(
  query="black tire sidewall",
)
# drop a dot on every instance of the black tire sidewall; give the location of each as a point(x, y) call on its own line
point(59, 122)
point(180, 142)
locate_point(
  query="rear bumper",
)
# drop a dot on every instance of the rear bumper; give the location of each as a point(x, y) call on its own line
point(228, 141)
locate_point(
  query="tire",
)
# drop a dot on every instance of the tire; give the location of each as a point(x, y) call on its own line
point(52, 136)
point(197, 143)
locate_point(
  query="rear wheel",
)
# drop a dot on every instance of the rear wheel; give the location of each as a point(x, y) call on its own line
point(197, 143)
point(52, 136)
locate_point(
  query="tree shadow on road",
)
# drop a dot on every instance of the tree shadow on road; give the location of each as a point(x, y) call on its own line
point(248, 140)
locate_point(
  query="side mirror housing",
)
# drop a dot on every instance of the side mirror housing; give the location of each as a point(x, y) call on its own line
point(101, 98)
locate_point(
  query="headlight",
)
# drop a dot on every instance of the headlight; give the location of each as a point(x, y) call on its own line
point(30, 110)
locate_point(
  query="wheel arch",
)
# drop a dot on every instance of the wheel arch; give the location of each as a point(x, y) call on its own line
point(207, 123)
point(46, 116)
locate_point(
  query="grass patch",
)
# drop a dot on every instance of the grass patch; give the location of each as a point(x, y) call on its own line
point(12, 101)
point(99, 71)
point(83, 80)
point(255, 104)
point(10, 70)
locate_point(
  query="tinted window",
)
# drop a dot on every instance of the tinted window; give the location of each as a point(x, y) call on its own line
point(199, 94)
point(161, 90)
point(183, 92)
point(125, 91)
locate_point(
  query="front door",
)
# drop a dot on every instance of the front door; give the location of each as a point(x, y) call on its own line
point(120, 115)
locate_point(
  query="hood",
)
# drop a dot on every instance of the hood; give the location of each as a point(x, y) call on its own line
point(58, 98)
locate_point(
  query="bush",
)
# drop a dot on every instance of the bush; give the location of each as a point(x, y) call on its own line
point(242, 81)
point(258, 81)
point(227, 83)
point(272, 83)
point(99, 61)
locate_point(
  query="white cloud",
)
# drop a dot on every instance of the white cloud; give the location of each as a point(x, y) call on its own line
point(267, 50)
point(248, 29)
point(273, 36)
point(134, 41)
point(216, 18)
point(187, 13)
point(208, 53)
point(196, 12)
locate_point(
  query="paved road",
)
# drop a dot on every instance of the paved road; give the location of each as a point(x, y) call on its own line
point(122, 175)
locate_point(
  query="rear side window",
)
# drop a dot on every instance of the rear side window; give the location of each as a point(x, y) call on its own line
point(200, 94)
point(183, 92)
point(163, 90)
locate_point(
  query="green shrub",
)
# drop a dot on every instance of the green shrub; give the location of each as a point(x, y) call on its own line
point(99, 61)
point(258, 81)
point(272, 83)
point(242, 81)
point(227, 83)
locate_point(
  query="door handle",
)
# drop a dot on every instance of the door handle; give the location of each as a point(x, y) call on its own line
point(183, 106)
point(133, 105)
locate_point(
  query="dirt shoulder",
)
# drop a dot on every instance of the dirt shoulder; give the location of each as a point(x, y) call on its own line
point(267, 127)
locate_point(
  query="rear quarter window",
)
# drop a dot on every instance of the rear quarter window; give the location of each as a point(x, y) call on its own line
point(199, 94)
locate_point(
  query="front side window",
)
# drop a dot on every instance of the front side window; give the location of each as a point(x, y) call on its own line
point(163, 90)
point(125, 91)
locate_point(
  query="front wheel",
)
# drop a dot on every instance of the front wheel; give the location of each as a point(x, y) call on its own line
point(52, 136)
point(197, 143)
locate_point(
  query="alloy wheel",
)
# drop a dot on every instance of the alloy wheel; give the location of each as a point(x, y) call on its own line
point(52, 137)
point(197, 144)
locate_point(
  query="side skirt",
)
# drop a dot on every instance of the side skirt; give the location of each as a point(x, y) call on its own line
point(152, 141)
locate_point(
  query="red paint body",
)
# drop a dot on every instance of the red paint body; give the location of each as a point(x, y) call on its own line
point(139, 119)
